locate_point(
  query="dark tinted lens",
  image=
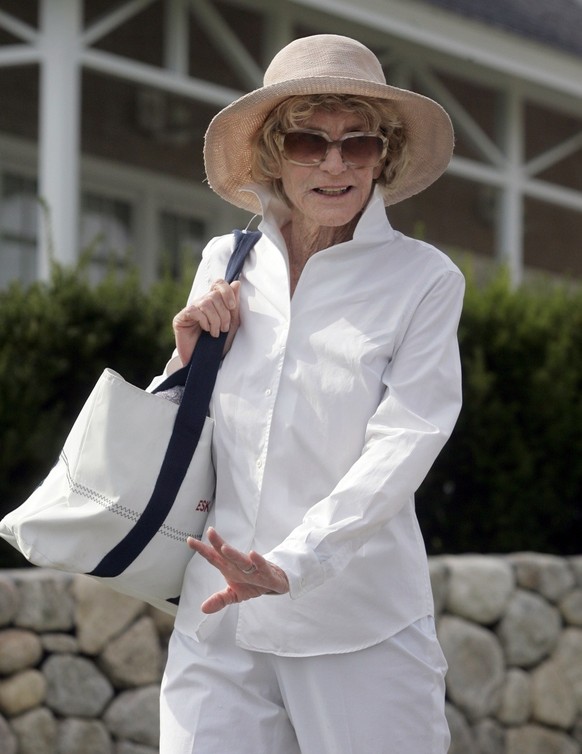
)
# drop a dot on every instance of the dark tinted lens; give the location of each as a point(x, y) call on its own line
point(362, 150)
point(304, 147)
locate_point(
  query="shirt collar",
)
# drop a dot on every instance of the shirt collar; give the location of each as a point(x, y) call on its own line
point(373, 225)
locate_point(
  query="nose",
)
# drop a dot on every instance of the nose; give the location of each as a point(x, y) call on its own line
point(333, 162)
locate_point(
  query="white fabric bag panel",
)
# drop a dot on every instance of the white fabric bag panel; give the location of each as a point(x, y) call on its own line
point(100, 485)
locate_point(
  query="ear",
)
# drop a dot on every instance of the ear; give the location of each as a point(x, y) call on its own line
point(378, 170)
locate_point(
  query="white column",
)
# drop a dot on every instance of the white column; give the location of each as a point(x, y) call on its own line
point(510, 226)
point(59, 129)
point(147, 236)
point(278, 20)
point(176, 37)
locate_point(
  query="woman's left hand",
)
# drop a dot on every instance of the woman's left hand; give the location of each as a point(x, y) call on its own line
point(247, 576)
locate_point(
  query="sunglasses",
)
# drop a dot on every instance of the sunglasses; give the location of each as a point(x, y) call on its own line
point(307, 147)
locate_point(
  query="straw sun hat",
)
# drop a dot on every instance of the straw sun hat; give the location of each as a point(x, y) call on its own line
point(323, 64)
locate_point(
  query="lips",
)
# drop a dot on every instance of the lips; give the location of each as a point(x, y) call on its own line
point(339, 191)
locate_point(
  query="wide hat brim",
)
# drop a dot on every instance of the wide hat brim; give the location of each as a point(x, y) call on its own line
point(229, 138)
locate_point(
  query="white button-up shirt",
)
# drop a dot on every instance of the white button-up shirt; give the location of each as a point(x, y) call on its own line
point(330, 408)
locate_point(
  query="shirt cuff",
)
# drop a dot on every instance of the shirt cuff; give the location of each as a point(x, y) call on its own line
point(301, 565)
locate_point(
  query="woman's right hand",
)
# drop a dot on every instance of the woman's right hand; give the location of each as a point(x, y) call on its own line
point(215, 312)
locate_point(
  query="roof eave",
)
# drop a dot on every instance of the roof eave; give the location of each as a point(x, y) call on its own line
point(463, 38)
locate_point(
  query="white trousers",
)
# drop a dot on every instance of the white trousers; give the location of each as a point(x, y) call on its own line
point(387, 699)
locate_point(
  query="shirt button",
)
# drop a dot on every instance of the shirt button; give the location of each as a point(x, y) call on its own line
point(268, 391)
point(259, 464)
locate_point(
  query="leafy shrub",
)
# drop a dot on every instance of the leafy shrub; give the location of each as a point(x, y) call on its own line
point(510, 477)
point(57, 338)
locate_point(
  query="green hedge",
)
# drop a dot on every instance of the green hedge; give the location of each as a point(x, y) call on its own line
point(56, 339)
point(509, 479)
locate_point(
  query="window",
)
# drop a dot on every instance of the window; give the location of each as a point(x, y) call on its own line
point(182, 240)
point(127, 217)
point(18, 228)
point(106, 233)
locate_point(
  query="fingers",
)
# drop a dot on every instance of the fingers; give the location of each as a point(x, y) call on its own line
point(216, 312)
point(228, 559)
point(213, 312)
point(219, 601)
point(248, 565)
point(206, 551)
point(247, 575)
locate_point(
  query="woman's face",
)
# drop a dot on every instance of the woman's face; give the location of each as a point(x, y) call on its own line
point(330, 194)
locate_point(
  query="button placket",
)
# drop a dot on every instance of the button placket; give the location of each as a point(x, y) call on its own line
point(271, 394)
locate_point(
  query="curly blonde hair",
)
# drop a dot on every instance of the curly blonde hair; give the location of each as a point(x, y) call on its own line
point(377, 115)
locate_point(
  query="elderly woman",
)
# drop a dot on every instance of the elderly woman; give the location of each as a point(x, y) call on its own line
point(305, 622)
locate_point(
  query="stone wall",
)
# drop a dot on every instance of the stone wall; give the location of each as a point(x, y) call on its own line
point(80, 665)
point(511, 629)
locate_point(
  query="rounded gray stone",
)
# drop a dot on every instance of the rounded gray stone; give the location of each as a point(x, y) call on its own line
point(8, 743)
point(479, 587)
point(135, 657)
point(101, 614)
point(22, 692)
point(59, 644)
point(575, 563)
point(533, 739)
point(529, 630)
point(135, 716)
point(439, 579)
point(76, 688)
point(490, 737)
point(571, 607)
point(515, 707)
point(549, 575)
point(45, 600)
point(553, 702)
point(164, 622)
point(128, 747)
point(476, 666)
point(462, 741)
point(19, 649)
point(568, 655)
point(83, 736)
point(36, 731)
point(9, 600)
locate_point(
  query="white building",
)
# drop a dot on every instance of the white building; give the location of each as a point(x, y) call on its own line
point(104, 104)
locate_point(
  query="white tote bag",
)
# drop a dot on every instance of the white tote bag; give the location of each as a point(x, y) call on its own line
point(134, 479)
point(91, 500)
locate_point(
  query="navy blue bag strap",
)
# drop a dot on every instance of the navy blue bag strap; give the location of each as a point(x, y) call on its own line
point(198, 378)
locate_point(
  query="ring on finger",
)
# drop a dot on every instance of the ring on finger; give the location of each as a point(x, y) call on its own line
point(247, 571)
